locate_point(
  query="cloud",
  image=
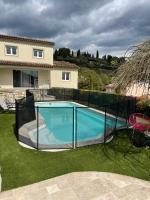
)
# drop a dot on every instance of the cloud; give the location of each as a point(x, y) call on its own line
point(111, 26)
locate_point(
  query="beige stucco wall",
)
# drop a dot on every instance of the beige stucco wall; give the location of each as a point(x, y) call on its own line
point(44, 79)
point(56, 78)
point(25, 52)
point(6, 77)
point(47, 78)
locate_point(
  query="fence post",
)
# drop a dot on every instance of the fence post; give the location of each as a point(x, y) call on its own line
point(41, 95)
point(117, 115)
point(127, 111)
point(76, 123)
point(73, 130)
point(37, 128)
point(105, 126)
point(88, 97)
point(64, 94)
point(17, 131)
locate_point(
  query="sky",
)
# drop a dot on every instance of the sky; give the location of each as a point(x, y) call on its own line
point(109, 26)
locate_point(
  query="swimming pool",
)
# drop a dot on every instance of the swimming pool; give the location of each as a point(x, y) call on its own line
point(68, 124)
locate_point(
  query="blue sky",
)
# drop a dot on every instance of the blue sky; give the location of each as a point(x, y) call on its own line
point(111, 26)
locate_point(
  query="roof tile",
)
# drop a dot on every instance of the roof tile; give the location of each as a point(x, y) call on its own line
point(57, 64)
point(26, 39)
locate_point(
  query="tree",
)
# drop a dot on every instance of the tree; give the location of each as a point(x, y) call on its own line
point(78, 53)
point(109, 59)
point(89, 79)
point(115, 62)
point(97, 54)
point(64, 52)
point(88, 55)
point(121, 60)
point(104, 58)
point(136, 69)
point(55, 54)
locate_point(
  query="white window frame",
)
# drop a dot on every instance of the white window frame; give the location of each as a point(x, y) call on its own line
point(38, 50)
point(11, 47)
point(66, 76)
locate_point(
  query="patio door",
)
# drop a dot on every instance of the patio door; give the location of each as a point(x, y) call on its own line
point(25, 78)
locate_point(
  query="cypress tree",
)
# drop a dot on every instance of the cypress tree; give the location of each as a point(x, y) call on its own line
point(97, 54)
point(56, 54)
point(78, 53)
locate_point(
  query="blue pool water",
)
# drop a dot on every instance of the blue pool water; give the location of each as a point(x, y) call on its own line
point(66, 121)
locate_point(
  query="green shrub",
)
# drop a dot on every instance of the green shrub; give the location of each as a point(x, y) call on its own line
point(143, 106)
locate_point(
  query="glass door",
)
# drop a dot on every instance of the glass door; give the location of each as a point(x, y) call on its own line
point(25, 78)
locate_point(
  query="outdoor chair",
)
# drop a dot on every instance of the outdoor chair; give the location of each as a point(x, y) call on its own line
point(46, 96)
point(140, 123)
point(10, 101)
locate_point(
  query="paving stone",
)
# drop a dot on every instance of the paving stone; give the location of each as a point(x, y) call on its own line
point(66, 194)
point(53, 189)
point(83, 186)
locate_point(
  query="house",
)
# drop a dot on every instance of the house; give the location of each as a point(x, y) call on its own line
point(136, 90)
point(110, 88)
point(28, 63)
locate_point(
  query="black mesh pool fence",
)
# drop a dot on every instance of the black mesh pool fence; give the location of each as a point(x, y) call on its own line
point(37, 125)
point(54, 121)
point(25, 114)
point(88, 98)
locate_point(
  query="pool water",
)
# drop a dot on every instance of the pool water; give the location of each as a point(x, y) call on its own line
point(66, 122)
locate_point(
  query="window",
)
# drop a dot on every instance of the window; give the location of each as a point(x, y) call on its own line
point(38, 53)
point(25, 78)
point(65, 76)
point(11, 50)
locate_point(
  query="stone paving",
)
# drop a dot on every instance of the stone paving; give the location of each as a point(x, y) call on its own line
point(83, 186)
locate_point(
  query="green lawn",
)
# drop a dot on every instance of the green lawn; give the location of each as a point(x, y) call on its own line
point(21, 166)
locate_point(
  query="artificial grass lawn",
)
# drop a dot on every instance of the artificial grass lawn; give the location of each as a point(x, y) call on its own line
point(21, 166)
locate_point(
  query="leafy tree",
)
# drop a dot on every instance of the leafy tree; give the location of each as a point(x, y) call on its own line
point(88, 60)
point(89, 79)
point(114, 63)
point(121, 60)
point(88, 55)
point(64, 52)
point(84, 54)
point(105, 78)
point(104, 58)
point(109, 59)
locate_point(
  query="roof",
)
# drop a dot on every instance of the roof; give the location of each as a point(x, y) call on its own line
point(65, 64)
point(26, 39)
point(57, 64)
